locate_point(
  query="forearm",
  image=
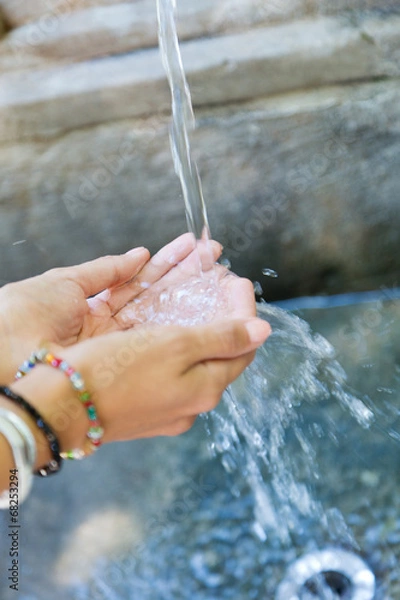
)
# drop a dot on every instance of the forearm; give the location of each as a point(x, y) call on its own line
point(50, 392)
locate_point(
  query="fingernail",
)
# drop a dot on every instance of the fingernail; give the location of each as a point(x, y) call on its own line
point(135, 251)
point(258, 330)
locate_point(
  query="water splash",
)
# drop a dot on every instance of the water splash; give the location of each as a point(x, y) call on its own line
point(294, 367)
point(270, 273)
point(249, 431)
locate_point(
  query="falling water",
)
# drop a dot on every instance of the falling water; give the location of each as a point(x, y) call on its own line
point(198, 298)
point(183, 121)
point(249, 428)
point(250, 431)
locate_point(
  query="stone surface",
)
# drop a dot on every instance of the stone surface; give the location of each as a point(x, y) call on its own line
point(20, 12)
point(304, 183)
point(103, 30)
point(220, 70)
point(78, 31)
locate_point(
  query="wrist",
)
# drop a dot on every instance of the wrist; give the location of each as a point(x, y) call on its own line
point(50, 392)
point(6, 367)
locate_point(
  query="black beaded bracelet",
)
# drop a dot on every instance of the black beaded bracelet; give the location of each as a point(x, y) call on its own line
point(55, 464)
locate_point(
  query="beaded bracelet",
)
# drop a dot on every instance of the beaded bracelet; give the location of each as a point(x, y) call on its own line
point(55, 464)
point(95, 432)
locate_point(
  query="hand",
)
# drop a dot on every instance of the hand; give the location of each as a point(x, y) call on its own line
point(183, 296)
point(155, 381)
point(54, 307)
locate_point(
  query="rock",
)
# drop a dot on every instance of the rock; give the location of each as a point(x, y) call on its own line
point(97, 31)
point(19, 12)
point(228, 12)
point(246, 12)
point(304, 183)
point(220, 70)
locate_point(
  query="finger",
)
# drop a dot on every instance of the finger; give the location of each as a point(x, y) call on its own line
point(174, 428)
point(241, 296)
point(157, 277)
point(188, 267)
point(166, 258)
point(225, 339)
point(108, 271)
point(155, 268)
point(209, 379)
point(180, 257)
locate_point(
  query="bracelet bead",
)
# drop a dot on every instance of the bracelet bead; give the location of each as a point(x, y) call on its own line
point(95, 431)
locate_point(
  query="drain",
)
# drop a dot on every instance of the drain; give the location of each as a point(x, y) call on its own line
point(331, 574)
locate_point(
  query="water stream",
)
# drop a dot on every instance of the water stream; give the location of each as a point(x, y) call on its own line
point(262, 401)
point(183, 121)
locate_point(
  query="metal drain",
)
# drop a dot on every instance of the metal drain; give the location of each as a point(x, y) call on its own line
point(331, 574)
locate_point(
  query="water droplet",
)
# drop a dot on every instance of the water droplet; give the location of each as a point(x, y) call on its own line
point(258, 289)
point(270, 273)
point(225, 262)
point(385, 390)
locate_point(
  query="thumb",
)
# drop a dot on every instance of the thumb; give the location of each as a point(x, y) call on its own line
point(228, 339)
point(108, 271)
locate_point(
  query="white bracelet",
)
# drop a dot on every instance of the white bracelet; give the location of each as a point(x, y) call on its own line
point(23, 447)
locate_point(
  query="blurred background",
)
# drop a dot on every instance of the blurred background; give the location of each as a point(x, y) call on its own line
point(298, 139)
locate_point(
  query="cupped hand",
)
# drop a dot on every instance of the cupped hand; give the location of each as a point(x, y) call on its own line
point(155, 381)
point(70, 304)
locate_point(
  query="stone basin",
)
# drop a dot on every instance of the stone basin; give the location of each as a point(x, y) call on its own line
point(162, 519)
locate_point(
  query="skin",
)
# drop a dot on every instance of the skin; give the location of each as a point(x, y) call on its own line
point(146, 380)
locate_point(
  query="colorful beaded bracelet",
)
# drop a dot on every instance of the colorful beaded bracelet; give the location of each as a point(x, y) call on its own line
point(95, 432)
point(55, 464)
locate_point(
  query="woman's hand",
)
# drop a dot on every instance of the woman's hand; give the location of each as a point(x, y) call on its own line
point(146, 382)
point(70, 304)
point(155, 381)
